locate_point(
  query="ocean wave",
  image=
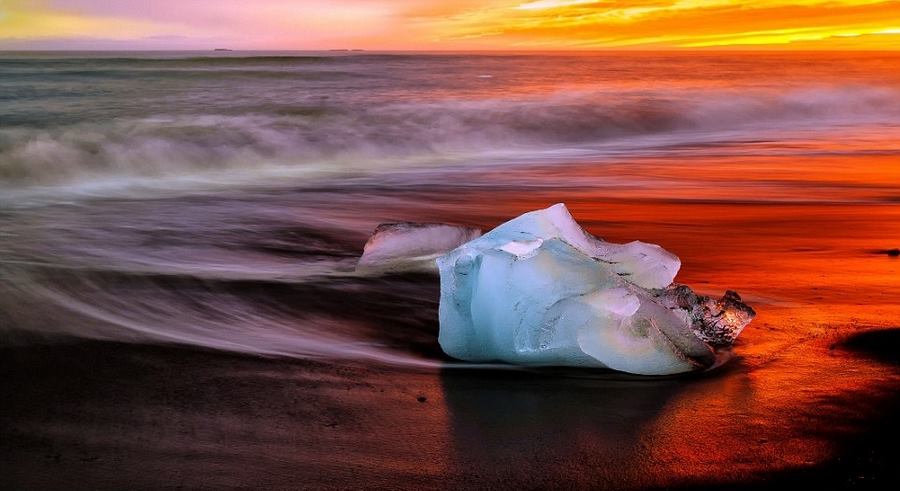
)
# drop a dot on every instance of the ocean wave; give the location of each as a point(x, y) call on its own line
point(335, 137)
point(301, 321)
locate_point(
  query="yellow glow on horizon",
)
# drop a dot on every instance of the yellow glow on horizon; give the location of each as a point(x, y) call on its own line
point(551, 4)
point(787, 37)
point(24, 23)
point(654, 24)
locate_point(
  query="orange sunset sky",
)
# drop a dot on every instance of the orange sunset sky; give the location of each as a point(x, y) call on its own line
point(450, 24)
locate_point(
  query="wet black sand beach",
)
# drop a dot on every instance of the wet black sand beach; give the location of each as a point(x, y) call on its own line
point(101, 415)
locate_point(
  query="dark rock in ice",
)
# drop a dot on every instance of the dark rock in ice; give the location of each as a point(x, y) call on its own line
point(717, 322)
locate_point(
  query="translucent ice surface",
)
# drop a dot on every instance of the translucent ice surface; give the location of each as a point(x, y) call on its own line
point(539, 290)
point(412, 246)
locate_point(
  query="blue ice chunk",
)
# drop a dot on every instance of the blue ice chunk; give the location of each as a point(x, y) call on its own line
point(539, 290)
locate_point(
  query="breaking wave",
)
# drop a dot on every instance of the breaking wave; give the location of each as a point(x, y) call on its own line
point(339, 138)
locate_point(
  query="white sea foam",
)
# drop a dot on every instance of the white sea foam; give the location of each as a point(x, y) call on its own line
point(199, 150)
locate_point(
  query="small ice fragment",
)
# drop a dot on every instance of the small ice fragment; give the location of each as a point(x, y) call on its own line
point(409, 246)
point(539, 290)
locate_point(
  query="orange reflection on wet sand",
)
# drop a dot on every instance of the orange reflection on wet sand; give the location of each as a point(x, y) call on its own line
point(803, 242)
